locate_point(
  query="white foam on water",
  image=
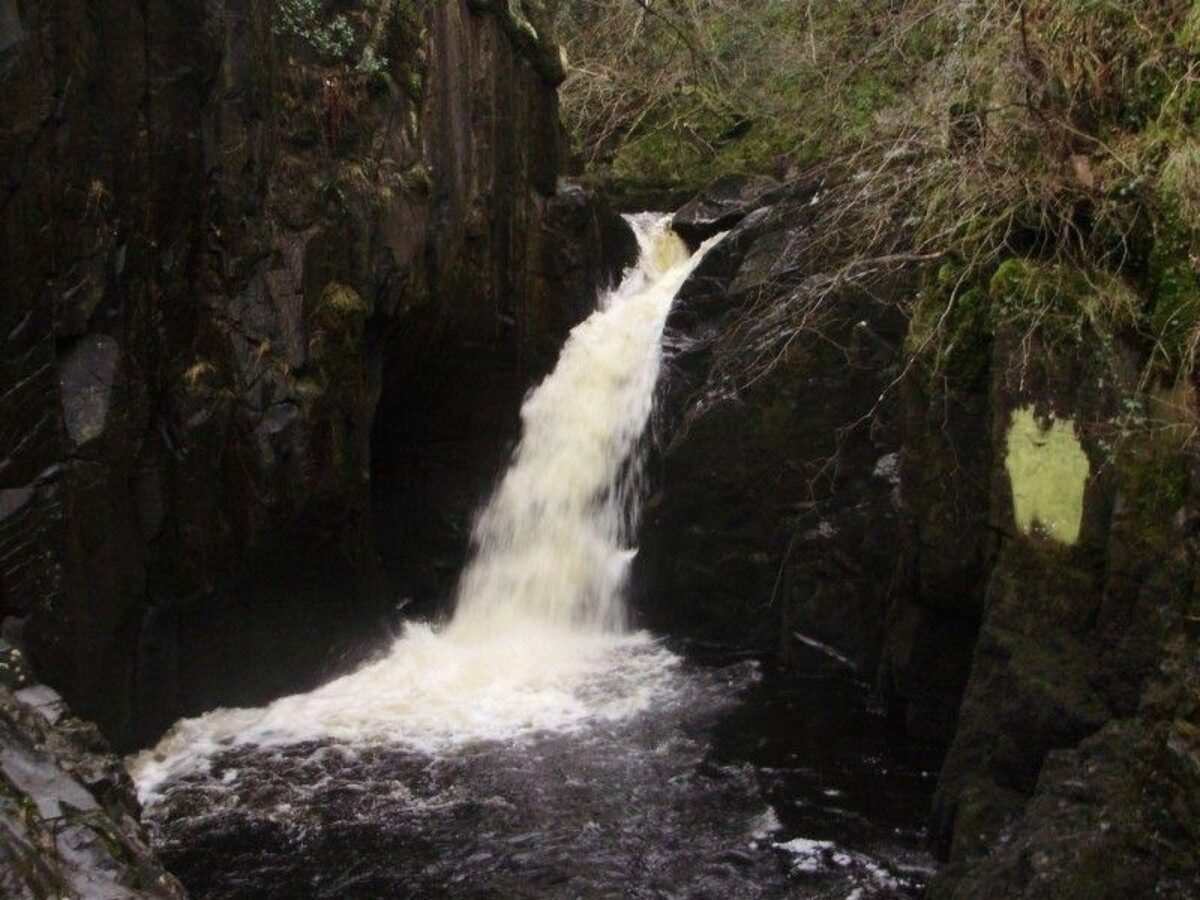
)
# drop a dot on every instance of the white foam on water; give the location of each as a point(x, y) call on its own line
point(538, 641)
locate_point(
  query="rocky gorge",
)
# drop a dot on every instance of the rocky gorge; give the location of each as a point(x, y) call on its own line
point(268, 313)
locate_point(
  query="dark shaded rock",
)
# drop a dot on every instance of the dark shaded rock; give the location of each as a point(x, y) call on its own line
point(10, 25)
point(722, 205)
point(1119, 816)
point(1058, 768)
point(774, 519)
point(444, 431)
point(85, 381)
point(706, 297)
point(583, 249)
point(514, 258)
point(986, 529)
point(946, 470)
point(1037, 676)
point(68, 815)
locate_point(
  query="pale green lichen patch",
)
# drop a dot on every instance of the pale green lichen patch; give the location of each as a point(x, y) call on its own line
point(1048, 471)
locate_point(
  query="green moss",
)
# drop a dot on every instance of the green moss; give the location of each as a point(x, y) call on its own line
point(1048, 471)
point(417, 179)
point(1174, 266)
point(1154, 477)
point(1013, 277)
point(1063, 304)
point(930, 40)
point(342, 302)
point(949, 327)
point(336, 327)
point(116, 847)
point(518, 18)
point(414, 86)
point(1189, 34)
point(983, 809)
point(308, 388)
point(1175, 316)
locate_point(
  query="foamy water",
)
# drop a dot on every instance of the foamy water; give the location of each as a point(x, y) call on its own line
point(538, 640)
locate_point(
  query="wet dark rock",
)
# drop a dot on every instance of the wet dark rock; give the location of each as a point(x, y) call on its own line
point(706, 296)
point(769, 527)
point(68, 816)
point(946, 471)
point(1118, 816)
point(86, 377)
point(723, 204)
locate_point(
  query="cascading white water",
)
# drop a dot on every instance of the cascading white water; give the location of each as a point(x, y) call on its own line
point(552, 543)
point(537, 640)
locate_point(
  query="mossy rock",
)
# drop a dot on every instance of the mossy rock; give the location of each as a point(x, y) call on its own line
point(1175, 262)
point(1067, 306)
point(949, 327)
point(341, 305)
point(1048, 472)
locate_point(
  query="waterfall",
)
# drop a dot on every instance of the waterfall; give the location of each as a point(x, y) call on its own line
point(538, 638)
point(552, 545)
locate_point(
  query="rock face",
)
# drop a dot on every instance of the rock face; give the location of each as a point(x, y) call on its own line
point(775, 522)
point(1080, 712)
point(68, 815)
point(237, 278)
point(996, 537)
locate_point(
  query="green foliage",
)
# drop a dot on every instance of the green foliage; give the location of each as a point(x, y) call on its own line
point(371, 64)
point(305, 21)
point(334, 37)
point(684, 92)
point(1065, 304)
point(1174, 260)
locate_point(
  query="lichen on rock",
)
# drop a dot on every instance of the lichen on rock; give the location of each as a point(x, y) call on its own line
point(1048, 470)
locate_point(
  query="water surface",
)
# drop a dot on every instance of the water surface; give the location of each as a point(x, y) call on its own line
point(742, 782)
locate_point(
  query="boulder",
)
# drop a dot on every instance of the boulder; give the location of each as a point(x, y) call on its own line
point(68, 814)
point(723, 204)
